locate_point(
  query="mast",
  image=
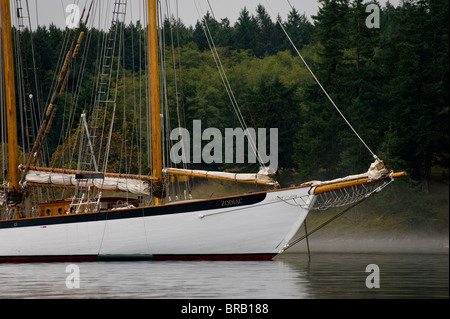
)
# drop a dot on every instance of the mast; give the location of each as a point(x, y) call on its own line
point(154, 92)
point(10, 95)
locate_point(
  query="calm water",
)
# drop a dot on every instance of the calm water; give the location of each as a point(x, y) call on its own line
point(326, 276)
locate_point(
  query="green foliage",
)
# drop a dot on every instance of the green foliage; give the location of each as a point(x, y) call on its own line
point(391, 83)
point(416, 89)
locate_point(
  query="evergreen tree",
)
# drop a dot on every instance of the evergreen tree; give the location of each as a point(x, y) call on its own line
point(391, 83)
point(274, 105)
point(245, 30)
point(207, 25)
point(300, 30)
point(265, 36)
point(318, 143)
point(415, 68)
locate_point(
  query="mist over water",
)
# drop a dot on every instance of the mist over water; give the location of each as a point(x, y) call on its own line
point(375, 244)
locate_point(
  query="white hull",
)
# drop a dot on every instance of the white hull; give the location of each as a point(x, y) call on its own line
point(254, 226)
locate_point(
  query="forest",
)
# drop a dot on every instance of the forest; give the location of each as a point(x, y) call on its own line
point(391, 82)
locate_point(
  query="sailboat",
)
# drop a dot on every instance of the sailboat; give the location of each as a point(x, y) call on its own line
point(87, 227)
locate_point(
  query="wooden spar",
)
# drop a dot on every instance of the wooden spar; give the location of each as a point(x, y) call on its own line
point(10, 95)
point(361, 181)
point(154, 92)
point(50, 113)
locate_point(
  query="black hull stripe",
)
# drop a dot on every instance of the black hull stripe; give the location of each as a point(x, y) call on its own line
point(177, 208)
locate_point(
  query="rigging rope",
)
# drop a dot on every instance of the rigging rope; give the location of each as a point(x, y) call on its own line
point(294, 242)
point(227, 85)
point(318, 82)
point(172, 57)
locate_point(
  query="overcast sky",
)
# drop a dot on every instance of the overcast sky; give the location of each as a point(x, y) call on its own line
point(53, 11)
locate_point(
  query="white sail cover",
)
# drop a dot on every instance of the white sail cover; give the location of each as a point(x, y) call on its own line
point(377, 170)
point(134, 186)
point(2, 198)
point(261, 177)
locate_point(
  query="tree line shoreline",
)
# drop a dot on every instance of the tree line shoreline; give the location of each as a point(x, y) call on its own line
point(391, 82)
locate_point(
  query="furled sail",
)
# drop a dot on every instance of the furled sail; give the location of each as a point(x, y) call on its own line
point(262, 177)
point(40, 176)
point(378, 169)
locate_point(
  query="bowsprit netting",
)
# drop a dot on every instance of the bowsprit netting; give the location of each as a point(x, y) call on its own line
point(346, 196)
